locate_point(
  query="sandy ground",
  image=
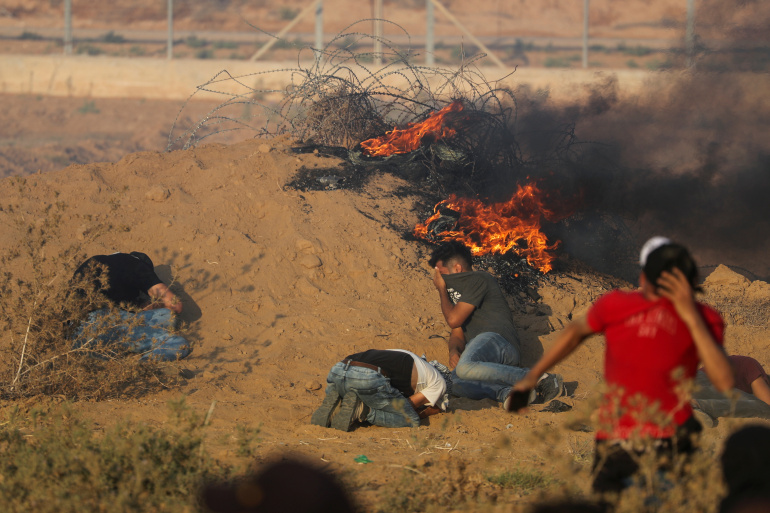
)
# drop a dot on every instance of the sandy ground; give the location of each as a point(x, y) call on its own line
point(278, 285)
point(43, 133)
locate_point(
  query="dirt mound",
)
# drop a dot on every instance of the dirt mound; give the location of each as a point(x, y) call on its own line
point(278, 285)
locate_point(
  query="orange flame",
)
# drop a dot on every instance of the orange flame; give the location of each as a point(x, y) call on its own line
point(409, 139)
point(500, 227)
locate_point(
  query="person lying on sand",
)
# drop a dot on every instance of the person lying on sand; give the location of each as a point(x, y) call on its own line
point(655, 337)
point(128, 281)
point(483, 343)
point(388, 388)
point(749, 399)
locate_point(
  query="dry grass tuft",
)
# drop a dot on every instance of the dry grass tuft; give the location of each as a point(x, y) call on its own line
point(39, 317)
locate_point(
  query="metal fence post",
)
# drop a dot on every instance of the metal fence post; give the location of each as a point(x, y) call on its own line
point(430, 23)
point(67, 27)
point(319, 27)
point(585, 33)
point(690, 33)
point(378, 32)
point(170, 43)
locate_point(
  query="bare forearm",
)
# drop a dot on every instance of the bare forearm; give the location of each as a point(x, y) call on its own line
point(456, 346)
point(715, 362)
point(761, 389)
point(676, 288)
point(569, 339)
point(428, 411)
point(447, 307)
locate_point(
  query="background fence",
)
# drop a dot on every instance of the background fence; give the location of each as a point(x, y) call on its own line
point(437, 31)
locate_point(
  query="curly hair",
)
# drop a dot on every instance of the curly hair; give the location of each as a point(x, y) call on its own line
point(452, 250)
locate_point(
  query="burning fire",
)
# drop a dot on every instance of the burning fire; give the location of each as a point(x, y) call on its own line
point(409, 139)
point(500, 227)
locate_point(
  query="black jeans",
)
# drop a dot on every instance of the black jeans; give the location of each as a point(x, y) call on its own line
point(619, 463)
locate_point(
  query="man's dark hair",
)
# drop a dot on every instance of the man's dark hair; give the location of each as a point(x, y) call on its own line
point(668, 257)
point(142, 257)
point(452, 250)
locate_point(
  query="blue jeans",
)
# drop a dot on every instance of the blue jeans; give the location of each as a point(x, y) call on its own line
point(487, 368)
point(150, 337)
point(717, 404)
point(387, 406)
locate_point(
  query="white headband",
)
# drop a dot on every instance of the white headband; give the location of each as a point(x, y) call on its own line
point(650, 246)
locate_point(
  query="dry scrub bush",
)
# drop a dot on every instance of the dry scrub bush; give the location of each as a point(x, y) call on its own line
point(444, 486)
point(39, 316)
point(689, 483)
point(55, 462)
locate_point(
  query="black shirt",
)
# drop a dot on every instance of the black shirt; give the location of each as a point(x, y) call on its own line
point(127, 277)
point(396, 364)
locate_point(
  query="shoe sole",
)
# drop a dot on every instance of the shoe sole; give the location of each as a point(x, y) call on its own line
point(558, 391)
point(344, 418)
point(323, 415)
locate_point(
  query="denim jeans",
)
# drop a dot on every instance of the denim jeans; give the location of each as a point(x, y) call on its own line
point(150, 337)
point(717, 404)
point(487, 368)
point(387, 406)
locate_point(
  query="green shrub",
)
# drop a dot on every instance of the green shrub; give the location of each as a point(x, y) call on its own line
point(229, 45)
point(637, 51)
point(656, 64)
point(30, 36)
point(112, 37)
point(556, 62)
point(349, 42)
point(88, 49)
point(282, 44)
point(287, 13)
point(88, 107)
point(631, 63)
point(204, 54)
point(194, 42)
point(524, 481)
point(53, 462)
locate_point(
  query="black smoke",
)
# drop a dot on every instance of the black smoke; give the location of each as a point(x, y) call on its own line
point(687, 157)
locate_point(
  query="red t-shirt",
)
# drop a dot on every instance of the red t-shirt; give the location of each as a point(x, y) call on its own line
point(646, 343)
point(747, 370)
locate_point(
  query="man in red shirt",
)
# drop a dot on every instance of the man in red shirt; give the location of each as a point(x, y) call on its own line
point(655, 338)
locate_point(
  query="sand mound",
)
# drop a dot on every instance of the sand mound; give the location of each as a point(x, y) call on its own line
point(279, 284)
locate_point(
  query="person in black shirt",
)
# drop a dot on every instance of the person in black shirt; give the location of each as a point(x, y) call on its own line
point(129, 278)
point(146, 307)
point(388, 388)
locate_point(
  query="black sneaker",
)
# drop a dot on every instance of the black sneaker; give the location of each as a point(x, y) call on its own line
point(324, 414)
point(348, 413)
point(549, 386)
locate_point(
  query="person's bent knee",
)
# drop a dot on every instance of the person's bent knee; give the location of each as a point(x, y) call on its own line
point(464, 370)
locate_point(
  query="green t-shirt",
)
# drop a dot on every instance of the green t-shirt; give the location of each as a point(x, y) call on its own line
point(481, 290)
